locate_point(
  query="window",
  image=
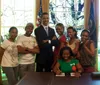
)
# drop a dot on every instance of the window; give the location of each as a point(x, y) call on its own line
point(68, 12)
point(16, 13)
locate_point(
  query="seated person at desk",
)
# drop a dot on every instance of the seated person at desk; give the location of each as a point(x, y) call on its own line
point(67, 64)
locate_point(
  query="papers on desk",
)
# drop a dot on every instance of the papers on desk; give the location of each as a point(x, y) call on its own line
point(61, 75)
point(72, 74)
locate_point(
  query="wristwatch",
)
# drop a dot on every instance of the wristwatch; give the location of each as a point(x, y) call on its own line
point(49, 41)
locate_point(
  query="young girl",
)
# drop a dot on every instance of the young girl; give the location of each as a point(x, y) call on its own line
point(62, 40)
point(66, 64)
point(86, 52)
point(73, 41)
point(9, 54)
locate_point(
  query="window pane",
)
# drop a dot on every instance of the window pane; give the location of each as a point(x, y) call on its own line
point(68, 12)
point(19, 4)
point(19, 18)
point(16, 13)
point(29, 4)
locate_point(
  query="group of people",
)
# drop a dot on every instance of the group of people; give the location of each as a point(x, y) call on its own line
point(74, 54)
point(19, 55)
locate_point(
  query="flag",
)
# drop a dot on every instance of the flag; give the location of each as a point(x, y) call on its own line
point(92, 25)
point(38, 22)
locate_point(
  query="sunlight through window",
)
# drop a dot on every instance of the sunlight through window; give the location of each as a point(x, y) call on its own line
point(16, 13)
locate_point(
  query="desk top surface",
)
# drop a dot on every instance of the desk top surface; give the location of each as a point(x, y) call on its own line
point(48, 78)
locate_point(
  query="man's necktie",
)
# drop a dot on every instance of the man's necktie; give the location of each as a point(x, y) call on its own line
point(46, 30)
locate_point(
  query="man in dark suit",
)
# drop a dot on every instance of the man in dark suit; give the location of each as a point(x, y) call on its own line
point(46, 38)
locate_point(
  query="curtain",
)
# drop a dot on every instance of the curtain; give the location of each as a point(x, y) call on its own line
point(86, 12)
point(45, 5)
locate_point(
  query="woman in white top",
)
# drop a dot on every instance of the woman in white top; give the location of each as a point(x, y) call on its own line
point(73, 41)
point(9, 54)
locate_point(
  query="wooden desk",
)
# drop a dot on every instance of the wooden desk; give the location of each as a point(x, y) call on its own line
point(36, 78)
point(42, 78)
point(85, 79)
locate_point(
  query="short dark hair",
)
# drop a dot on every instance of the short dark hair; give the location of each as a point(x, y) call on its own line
point(85, 30)
point(70, 27)
point(28, 25)
point(60, 24)
point(66, 48)
point(11, 28)
point(44, 13)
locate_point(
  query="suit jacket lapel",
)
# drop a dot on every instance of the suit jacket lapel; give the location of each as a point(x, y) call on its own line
point(43, 31)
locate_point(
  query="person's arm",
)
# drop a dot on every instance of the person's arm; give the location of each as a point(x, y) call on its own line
point(3, 47)
point(39, 38)
point(45, 43)
point(90, 51)
point(62, 42)
point(55, 41)
point(22, 50)
point(34, 50)
point(1, 53)
point(56, 69)
point(78, 55)
point(79, 68)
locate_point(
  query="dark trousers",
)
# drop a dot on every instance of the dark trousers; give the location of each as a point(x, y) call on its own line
point(44, 67)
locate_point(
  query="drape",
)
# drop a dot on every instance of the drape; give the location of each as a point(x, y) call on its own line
point(86, 12)
point(45, 5)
